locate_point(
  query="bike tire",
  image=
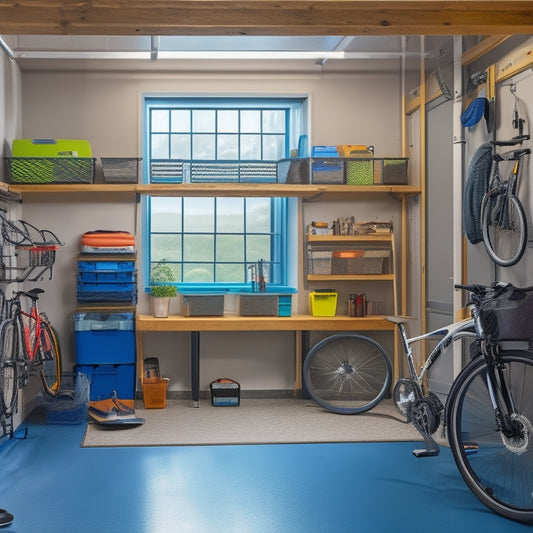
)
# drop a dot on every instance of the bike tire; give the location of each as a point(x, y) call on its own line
point(50, 359)
point(504, 240)
point(8, 367)
point(500, 477)
point(347, 373)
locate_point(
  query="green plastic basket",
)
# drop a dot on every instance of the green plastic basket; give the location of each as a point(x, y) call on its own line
point(50, 169)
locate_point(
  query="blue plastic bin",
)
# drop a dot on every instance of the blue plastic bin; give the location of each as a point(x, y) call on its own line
point(108, 378)
point(104, 338)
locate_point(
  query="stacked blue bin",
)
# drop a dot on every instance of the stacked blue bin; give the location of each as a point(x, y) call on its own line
point(104, 324)
point(107, 281)
point(105, 351)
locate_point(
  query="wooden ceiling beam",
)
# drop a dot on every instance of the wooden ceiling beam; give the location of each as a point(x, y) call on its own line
point(265, 17)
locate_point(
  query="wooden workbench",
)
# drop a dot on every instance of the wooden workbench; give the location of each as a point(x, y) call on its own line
point(300, 324)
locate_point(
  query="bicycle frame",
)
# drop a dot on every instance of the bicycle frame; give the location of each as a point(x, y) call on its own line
point(32, 330)
point(462, 329)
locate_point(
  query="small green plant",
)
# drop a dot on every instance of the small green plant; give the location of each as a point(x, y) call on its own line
point(163, 291)
point(161, 281)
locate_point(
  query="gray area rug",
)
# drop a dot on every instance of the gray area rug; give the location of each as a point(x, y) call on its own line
point(271, 421)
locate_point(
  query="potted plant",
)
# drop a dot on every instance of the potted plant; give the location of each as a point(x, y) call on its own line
point(162, 288)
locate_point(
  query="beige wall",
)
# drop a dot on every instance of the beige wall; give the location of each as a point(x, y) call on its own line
point(105, 108)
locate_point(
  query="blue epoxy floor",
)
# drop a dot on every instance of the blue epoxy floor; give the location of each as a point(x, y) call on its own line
point(52, 485)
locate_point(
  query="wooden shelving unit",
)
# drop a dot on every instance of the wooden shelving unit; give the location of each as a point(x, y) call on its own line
point(308, 191)
point(367, 241)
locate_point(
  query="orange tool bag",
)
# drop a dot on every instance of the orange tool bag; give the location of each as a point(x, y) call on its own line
point(107, 241)
point(107, 238)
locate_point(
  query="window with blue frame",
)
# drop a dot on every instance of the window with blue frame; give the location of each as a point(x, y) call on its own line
point(212, 242)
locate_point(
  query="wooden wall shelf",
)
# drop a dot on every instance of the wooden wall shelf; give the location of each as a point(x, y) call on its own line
point(326, 192)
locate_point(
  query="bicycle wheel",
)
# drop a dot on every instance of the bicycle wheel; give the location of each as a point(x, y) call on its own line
point(504, 227)
point(497, 469)
point(50, 356)
point(8, 366)
point(347, 374)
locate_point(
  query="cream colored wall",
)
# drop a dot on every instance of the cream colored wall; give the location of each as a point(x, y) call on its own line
point(105, 108)
point(10, 103)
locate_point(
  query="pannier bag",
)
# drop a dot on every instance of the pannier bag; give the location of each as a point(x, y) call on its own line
point(508, 316)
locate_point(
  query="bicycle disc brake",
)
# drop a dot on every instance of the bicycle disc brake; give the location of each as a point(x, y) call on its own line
point(405, 392)
point(518, 439)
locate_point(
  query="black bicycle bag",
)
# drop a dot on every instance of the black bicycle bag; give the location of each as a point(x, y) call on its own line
point(508, 316)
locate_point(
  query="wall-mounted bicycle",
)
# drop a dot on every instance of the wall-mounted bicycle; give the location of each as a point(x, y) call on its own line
point(503, 219)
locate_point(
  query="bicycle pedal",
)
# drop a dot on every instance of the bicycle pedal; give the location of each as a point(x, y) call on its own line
point(426, 453)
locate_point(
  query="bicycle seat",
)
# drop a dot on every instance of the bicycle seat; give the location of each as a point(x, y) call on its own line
point(33, 293)
point(511, 142)
point(398, 319)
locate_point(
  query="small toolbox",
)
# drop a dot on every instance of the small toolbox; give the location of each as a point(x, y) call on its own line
point(225, 392)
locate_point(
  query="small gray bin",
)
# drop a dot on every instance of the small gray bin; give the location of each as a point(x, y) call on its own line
point(258, 304)
point(203, 304)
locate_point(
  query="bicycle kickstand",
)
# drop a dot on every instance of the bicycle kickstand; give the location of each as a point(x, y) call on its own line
point(420, 417)
point(432, 448)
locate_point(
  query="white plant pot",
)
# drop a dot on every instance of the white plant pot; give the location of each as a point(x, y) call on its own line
point(160, 306)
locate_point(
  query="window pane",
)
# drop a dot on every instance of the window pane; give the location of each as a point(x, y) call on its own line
point(174, 267)
point(165, 247)
point(273, 147)
point(159, 146)
point(198, 215)
point(273, 121)
point(257, 247)
point(228, 121)
point(228, 147)
point(258, 215)
point(229, 273)
point(251, 121)
point(214, 239)
point(198, 273)
point(166, 214)
point(181, 146)
point(160, 120)
point(203, 120)
point(203, 147)
point(230, 215)
point(230, 248)
point(198, 247)
point(180, 120)
point(250, 147)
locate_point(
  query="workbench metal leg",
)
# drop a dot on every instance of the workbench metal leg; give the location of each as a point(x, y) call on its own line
point(306, 346)
point(195, 368)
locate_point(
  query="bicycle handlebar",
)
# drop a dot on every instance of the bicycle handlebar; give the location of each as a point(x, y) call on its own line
point(511, 142)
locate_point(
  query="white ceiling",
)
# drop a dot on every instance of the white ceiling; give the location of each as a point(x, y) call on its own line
point(117, 52)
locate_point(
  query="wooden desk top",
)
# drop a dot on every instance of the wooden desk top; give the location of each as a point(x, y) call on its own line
point(145, 323)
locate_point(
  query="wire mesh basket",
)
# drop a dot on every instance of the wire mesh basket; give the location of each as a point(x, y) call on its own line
point(26, 252)
point(120, 169)
point(41, 170)
point(20, 263)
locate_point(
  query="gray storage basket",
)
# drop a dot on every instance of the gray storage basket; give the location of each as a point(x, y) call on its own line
point(120, 169)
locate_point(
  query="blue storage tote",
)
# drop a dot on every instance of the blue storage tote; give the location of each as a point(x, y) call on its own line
point(108, 378)
point(102, 271)
point(104, 338)
point(107, 292)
